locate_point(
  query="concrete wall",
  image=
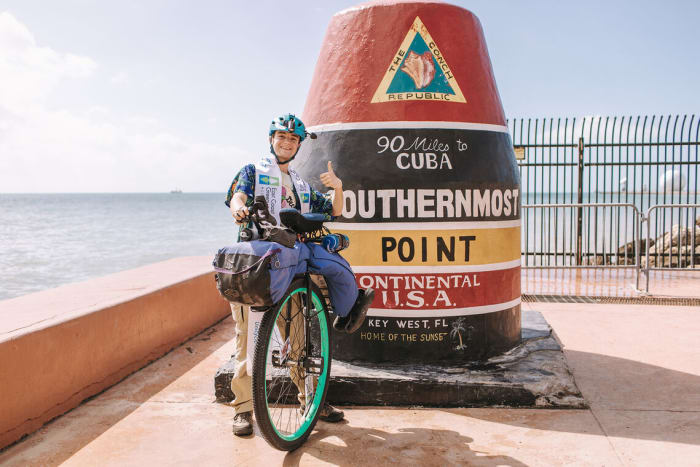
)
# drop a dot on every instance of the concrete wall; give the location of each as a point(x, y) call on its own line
point(61, 346)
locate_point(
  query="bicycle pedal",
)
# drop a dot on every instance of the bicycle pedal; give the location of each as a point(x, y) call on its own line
point(313, 365)
point(278, 360)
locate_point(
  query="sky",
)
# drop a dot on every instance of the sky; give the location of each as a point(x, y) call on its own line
point(137, 96)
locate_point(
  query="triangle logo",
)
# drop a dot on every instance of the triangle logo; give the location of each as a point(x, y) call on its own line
point(418, 71)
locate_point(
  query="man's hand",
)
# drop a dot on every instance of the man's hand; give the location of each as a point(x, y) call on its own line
point(330, 179)
point(238, 208)
point(240, 214)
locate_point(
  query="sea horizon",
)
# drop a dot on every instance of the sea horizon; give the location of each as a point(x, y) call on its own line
point(54, 238)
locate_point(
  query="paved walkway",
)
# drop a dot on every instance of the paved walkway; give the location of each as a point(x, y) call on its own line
point(638, 366)
point(610, 282)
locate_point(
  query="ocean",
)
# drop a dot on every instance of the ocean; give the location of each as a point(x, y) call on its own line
point(47, 240)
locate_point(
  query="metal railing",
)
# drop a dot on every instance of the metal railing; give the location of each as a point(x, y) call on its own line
point(672, 240)
point(554, 237)
point(643, 160)
point(589, 186)
point(676, 238)
point(553, 234)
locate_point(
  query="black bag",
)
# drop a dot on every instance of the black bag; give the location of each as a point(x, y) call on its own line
point(244, 278)
point(256, 273)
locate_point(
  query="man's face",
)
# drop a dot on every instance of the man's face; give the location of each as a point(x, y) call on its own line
point(285, 144)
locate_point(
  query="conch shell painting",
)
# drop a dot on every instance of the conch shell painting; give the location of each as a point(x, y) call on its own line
point(420, 68)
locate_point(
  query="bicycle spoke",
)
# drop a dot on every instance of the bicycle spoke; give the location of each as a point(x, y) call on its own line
point(296, 358)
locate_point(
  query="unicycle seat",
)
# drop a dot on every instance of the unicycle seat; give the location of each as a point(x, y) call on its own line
point(302, 223)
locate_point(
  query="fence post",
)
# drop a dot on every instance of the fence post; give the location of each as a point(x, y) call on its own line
point(638, 246)
point(579, 237)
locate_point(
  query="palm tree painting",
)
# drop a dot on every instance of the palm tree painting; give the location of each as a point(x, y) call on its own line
point(458, 327)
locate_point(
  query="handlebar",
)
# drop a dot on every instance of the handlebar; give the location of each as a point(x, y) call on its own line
point(260, 215)
point(306, 227)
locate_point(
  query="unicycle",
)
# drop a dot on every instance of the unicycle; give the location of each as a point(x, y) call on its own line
point(292, 358)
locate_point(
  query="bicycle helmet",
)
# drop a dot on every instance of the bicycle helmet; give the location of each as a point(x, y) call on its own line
point(290, 124)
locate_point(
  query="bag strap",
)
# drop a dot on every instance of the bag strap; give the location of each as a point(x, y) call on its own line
point(252, 266)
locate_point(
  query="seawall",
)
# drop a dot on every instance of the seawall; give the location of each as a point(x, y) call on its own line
point(63, 345)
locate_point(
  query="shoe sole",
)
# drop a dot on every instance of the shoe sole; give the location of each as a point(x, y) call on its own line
point(332, 419)
point(353, 326)
point(243, 433)
point(336, 326)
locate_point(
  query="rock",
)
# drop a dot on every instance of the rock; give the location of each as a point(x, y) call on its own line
point(677, 234)
point(671, 258)
point(628, 249)
point(673, 261)
point(593, 261)
point(598, 260)
point(625, 260)
point(666, 251)
point(690, 255)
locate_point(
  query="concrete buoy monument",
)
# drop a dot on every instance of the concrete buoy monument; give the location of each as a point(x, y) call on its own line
point(405, 105)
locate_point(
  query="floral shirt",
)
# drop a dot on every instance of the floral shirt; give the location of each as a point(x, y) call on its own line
point(244, 182)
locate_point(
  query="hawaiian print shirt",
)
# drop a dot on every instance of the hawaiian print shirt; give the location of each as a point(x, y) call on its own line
point(244, 182)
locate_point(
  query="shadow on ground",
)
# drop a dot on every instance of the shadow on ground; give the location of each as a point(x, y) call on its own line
point(410, 446)
point(629, 399)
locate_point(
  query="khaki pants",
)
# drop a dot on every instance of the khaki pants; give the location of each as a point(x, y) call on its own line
point(242, 383)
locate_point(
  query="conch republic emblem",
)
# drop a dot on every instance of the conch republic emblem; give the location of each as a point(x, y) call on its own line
point(418, 71)
point(430, 183)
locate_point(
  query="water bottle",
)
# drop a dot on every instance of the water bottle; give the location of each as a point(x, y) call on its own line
point(335, 242)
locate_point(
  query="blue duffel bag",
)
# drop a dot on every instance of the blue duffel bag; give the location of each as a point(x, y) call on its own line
point(256, 273)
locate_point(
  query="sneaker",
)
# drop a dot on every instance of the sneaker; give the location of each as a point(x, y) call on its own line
point(356, 317)
point(330, 414)
point(243, 424)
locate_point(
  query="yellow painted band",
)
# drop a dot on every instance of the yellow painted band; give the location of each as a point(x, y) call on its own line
point(431, 247)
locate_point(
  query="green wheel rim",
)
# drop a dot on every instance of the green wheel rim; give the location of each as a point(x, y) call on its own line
point(322, 379)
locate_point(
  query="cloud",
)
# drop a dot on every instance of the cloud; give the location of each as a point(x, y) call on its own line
point(48, 150)
point(29, 72)
point(120, 78)
point(143, 121)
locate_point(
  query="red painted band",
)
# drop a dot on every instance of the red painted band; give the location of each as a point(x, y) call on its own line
point(443, 290)
point(358, 50)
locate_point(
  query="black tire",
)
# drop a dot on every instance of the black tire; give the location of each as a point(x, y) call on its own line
point(284, 422)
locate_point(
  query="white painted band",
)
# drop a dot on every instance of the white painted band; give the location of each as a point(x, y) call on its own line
point(467, 225)
point(408, 125)
point(474, 310)
point(464, 268)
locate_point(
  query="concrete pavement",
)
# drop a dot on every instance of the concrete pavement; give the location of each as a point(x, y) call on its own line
point(637, 366)
point(610, 282)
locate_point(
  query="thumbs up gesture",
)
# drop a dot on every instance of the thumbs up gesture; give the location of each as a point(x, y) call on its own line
point(330, 179)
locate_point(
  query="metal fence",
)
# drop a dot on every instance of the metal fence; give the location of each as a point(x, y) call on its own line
point(591, 185)
point(673, 238)
point(558, 235)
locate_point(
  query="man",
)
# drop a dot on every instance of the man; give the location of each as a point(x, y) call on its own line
point(283, 188)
